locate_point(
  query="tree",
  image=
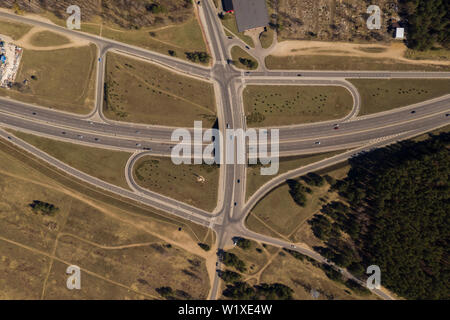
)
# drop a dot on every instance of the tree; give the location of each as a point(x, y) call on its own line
point(204, 246)
point(196, 56)
point(249, 63)
point(398, 217)
point(243, 243)
point(44, 208)
point(229, 276)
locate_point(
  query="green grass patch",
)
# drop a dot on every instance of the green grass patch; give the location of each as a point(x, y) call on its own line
point(253, 257)
point(278, 210)
point(48, 39)
point(137, 91)
point(242, 59)
point(196, 185)
point(266, 38)
point(286, 105)
point(58, 79)
point(432, 54)
point(107, 165)
point(372, 49)
point(255, 180)
point(14, 30)
point(305, 276)
point(381, 95)
point(180, 38)
point(324, 62)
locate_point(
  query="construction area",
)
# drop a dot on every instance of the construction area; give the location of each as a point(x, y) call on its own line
point(9, 61)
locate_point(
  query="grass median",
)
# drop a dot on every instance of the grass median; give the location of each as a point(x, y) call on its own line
point(107, 165)
point(277, 214)
point(267, 106)
point(196, 185)
point(142, 92)
point(242, 59)
point(255, 180)
point(382, 95)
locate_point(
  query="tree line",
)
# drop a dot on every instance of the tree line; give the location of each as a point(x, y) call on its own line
point(395, 207)
point(428, 23)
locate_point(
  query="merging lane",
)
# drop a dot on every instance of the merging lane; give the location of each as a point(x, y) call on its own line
point(228, 219)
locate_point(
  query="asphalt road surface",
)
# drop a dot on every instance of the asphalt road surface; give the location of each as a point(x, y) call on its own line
point(228, 219)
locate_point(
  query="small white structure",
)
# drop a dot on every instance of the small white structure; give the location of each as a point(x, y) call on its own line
point(399, 33)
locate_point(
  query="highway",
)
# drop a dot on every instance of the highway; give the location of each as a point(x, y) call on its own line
point(94, 129)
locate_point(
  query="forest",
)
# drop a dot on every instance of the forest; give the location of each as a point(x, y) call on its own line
point(395, 209)
point(428, 23)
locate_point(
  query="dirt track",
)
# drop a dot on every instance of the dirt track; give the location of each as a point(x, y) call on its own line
point(394, 51)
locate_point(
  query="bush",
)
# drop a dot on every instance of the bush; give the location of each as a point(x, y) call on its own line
point(249, 63)
point(229, 276)
point(165, 292)
point(243, 243)
point(255, 117)
point(44, 208)
point(231, 260)
point(243, 291)
point(204, 246)
point(196, 56)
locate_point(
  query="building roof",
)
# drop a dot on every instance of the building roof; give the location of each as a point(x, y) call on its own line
point(399, 33)
point(250, 14)
point(227, 5)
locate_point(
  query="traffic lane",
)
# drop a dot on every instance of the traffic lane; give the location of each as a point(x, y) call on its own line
point(183, 66)
point(307, 145)
point(74, 136)
point(259, 194)
point(329, 128)
point(164, 133)
point(313, 145)
point(214, 32)
point(70, 120)
point(350, 74)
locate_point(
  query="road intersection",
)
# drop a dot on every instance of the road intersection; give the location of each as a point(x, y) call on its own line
point(361, 133)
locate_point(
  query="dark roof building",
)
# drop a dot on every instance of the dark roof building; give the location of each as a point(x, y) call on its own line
point(250, 14)
point(227, 5)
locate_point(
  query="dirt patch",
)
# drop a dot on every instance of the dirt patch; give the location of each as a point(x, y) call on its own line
point(394, 51)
